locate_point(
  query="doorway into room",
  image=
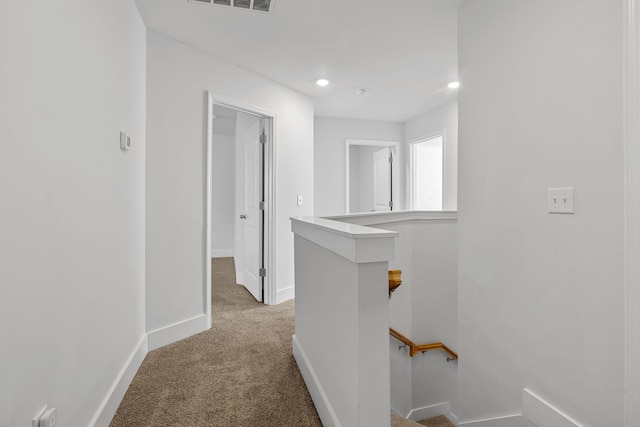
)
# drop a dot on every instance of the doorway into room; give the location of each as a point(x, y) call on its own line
point(372, 176)
point(239, 191)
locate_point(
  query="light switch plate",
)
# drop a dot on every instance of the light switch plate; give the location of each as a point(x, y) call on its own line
point(560, 200)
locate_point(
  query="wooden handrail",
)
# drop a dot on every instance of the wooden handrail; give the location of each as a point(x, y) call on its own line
point(394, 280)
point(415, 348)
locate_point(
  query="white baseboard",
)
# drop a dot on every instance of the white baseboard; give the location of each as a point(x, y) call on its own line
point(543, 414)
point(323, 407)
point(430, 411)
point(453, 418)
point(110, 404)
point(239, 278)
point(283, 295)
point(178, 331)
point(507, 421)
point(221, 253)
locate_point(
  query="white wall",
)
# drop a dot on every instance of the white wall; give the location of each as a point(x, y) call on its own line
point(72, 209)
point(329, 156)
point(434, 298)
point(223, 195)
point(442, 118)
point(540, 295)
point(178, 77)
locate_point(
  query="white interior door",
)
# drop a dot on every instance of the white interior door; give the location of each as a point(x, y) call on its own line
point(252, 216)
point(382, 180)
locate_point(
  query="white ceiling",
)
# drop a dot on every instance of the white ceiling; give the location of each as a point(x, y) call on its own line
point(402, 51)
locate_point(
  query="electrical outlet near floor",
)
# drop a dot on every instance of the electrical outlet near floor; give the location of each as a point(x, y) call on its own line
point(560, 200)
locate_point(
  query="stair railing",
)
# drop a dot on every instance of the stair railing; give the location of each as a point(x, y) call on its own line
point(394, 282)
point(422, 348)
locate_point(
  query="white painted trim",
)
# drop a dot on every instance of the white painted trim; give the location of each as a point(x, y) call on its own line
point(239, 278)
point(323, 407)
point(357, 243)
point(178, 331)
point(112, 400)
point(632, 211)
point(453, 418)
point(270, 176)
point(374, 219)
point(208, 176)
point(544, 414)
point(443, 408)
point(396, 174)
point(221, 253)
point(516, 420)
point(285, 294)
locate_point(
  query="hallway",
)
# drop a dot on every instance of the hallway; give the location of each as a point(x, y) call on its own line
point(239, 373)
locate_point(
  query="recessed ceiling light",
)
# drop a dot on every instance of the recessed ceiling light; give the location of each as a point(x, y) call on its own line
point(453, 85)
point(322, 82)
point(361, 91)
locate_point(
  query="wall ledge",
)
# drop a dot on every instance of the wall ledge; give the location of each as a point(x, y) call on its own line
point(383, 218)
point(357, 243)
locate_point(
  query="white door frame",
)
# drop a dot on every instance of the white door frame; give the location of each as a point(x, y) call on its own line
point(396, 173)
point(631, 90)
point(269, 212)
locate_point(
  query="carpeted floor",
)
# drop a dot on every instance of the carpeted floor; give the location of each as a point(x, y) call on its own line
point(239, 373)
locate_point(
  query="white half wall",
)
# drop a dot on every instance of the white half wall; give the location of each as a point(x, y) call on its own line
point(342, 319)
point(330, 135)
point(541, 297)
point(423, 308)
point(443, 118)
point(72, 215)
point(178, 78)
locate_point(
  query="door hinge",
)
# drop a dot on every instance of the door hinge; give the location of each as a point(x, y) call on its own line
point(390, 158)
point(263, 138)
point(391, 204)
point(262, 272)
point(261, 206)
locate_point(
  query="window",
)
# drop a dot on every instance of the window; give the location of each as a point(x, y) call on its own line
point(427, 160)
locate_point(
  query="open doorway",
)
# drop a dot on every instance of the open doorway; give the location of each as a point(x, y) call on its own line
point(239, 188)
point(372, 176)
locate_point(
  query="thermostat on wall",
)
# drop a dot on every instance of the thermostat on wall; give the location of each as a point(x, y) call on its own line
point(125, 141)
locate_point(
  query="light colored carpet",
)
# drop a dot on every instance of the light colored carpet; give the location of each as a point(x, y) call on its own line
point(239, 373)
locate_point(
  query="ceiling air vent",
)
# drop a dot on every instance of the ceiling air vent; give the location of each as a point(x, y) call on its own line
point(264, 6)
